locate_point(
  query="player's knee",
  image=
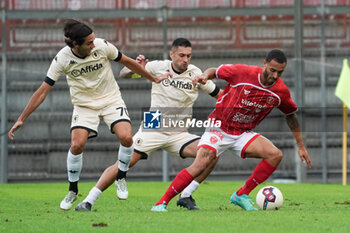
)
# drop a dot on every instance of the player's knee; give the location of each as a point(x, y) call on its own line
point(204, 159)
point(126, 140)
point(276, 156)
point(77, 147)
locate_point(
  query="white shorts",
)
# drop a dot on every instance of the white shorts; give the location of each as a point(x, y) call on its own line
point(89, 119)
point(218, 141)
point(146, 142)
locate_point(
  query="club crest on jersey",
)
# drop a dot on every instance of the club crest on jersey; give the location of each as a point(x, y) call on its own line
point(95, 55)
point(152, 119)
point(270, 100)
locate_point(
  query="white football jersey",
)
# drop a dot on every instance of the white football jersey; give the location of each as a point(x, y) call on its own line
point(175, 96)
point(90, 79)
point(178, 91)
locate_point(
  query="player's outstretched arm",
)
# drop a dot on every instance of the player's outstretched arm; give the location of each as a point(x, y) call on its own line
point(139, 69)
point(127, 73)
point(37, 98)
point(293, 124)
point(203, 78)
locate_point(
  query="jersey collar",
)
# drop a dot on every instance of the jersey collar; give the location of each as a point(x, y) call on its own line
point(259, 79)
point(77, 55)
point(172, 68)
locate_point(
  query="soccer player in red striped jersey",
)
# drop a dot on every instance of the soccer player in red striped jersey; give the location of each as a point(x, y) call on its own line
point(250, 95)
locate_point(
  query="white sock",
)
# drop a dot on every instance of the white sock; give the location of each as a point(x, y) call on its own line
point(190, 189)
point(74, 165)
point(94, 194)
point(124, 157)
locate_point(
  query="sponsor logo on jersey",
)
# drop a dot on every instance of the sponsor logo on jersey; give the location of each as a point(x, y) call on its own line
point(246, 92)
point(254, 104)
point(87, 69)
point(178, 84)
point(242, 118)
point(152, 119)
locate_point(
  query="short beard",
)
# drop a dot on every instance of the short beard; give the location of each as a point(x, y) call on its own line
point(265, 75)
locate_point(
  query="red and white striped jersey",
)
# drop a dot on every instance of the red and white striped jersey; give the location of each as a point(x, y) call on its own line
point(245, 101)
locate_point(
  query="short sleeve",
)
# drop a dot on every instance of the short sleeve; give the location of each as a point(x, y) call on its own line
point(226, 72)
point(111, 51)
point(287, 105)
point(151, 66)
point(55, 69)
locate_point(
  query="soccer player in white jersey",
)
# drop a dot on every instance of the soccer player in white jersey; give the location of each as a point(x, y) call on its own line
point(250, 95)
point(94, 94)
point(176, 95)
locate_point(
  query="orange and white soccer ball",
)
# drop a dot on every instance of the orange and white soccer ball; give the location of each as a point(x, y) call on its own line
point(269, 198)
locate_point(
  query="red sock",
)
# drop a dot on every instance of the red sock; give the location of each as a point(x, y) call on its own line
point(261, 172)
point(181, 181)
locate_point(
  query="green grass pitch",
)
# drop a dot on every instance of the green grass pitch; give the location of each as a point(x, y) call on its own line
point(34, 207)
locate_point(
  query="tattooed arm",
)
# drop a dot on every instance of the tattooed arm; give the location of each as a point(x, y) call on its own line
point(293, 124)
